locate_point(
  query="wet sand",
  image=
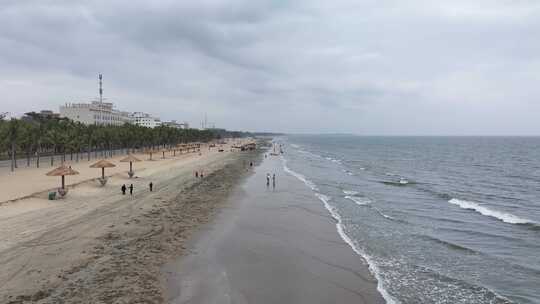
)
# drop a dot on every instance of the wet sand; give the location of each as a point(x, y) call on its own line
point(270, 246)
point(98, 246)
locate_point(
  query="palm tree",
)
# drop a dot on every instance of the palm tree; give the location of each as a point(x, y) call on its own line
point(27, 139)
point(12, 136)
point(55, 137)
point(89, 138)
point(45, 135)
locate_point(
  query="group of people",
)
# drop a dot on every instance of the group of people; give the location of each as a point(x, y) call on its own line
point(124, 188)
point(268, 180)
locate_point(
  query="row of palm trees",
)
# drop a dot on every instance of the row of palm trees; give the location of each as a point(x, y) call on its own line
point(36, 136)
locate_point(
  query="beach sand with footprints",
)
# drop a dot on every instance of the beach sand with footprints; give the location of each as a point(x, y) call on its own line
point(97, 245)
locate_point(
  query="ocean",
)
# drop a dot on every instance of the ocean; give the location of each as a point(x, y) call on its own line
point(437, 219)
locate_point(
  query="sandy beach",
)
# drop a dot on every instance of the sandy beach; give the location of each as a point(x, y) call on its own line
point(167, 246)
point(97, 245)
point(270, 246)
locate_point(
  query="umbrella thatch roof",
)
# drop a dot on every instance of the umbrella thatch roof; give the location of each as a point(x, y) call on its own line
point(130, 158)
point(62, 170)
point(103, 164)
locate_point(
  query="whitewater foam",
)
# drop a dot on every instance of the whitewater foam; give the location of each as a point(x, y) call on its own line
point(350, 192)
point(384, 215)
point(373, 268)
point(505, 217)
point(299, 176)
point(309, 153)
point(348, 172)
point(358, 200)
point(334, 160)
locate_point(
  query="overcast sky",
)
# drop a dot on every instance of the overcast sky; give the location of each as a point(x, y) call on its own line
point(422, 67)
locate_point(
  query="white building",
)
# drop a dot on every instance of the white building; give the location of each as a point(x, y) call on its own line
point(94, 113)
point(174, 124)
point(145, 120)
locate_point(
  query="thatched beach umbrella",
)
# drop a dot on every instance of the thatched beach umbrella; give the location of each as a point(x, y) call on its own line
point(103, 164)
point(131, 159)
point(62, 171)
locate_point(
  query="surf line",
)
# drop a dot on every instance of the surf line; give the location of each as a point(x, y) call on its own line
point(373, 268)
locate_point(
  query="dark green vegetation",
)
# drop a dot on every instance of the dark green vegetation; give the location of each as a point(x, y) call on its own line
point(35, 136)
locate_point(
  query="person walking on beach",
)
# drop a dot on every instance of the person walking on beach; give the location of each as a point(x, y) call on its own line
point(151, 185)
point(131, 189)
point(267, 179)
point(274, 181)
point(123, 189)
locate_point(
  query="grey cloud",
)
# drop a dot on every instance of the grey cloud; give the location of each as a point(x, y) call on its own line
point(380, 67)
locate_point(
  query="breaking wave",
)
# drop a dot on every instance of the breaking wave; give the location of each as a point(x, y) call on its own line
point(502, 216)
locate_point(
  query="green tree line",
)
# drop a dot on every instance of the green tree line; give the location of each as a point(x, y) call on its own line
point(36, 137)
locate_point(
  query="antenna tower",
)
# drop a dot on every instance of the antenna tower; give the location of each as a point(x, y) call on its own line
point(100, 88)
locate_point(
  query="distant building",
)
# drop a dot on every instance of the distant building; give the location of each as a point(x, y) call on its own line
point(174, 124)
point(94, 113)
point(144, 120)
point(43, 114)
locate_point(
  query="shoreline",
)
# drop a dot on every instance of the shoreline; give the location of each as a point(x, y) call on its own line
point(389, 299)
point(99, 246)
point(270, 246)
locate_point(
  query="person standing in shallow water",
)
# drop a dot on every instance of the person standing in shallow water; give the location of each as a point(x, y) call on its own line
point(274, 181)
point(123, 189)
point(131, 189)
point(267, 179)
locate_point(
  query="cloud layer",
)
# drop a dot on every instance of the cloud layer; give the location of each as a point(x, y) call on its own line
point(365, 67)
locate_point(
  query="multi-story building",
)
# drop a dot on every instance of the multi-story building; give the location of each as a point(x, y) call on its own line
point(144, 120)
point(174, 124)
point(94, 113)
point(43, 114)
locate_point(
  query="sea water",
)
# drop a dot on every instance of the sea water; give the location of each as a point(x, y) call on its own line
point(438, 219)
